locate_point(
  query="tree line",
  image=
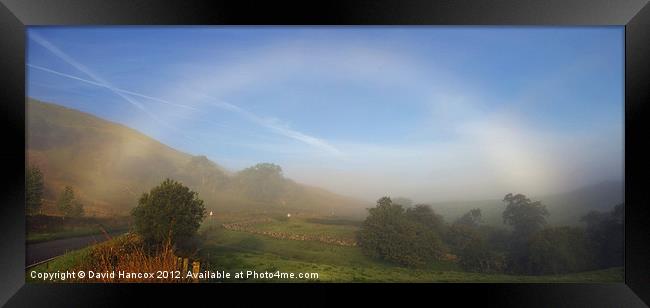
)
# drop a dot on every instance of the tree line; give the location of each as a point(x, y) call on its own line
point(168, 212)
point(415, 235)
point(67, 203)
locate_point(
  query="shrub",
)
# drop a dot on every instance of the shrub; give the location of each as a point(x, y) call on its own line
point(169, 209)
point(33, 190)
point(458, 236)
point(605, 235)
point(474, 252)
point(559, 250)
point(68, 204)
point(477, 256)
point(128, 253)
point(388, 233)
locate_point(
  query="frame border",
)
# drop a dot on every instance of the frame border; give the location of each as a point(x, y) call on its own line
point(15, 15)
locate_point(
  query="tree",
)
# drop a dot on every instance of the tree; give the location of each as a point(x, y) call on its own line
point(471, 219)
point(33, 190)
point(77, 209)
point(459, 236)
point(263, 182)
point(525, 216)
point(497, 238)
point(605, 235)
point(424, 215)
point(558, 250)
point(464, 231)
point(389, 234)
point(68, 205)
point(169, 211)
point(65, 202)
point(404, 202)
point(472, 244)
point(477, 256)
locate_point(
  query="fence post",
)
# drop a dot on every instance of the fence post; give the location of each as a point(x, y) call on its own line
point(196, 266)
point(185, 265)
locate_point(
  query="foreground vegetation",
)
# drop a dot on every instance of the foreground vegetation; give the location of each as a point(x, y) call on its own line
point(125, 253)
point(413, 235)
point(394, 244)
point(234, 251)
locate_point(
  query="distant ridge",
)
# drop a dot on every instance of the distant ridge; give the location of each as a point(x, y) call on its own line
point(564, 208)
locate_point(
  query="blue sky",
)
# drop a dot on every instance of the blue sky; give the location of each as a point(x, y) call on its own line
point(425, 112)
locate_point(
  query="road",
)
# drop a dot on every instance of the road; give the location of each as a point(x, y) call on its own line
point(38, 252)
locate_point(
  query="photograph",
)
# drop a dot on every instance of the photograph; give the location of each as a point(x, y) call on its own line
point(324, 154)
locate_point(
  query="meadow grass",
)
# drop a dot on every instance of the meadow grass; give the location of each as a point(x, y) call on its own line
point(300, 226)
point(234, 251)
point(125, 253)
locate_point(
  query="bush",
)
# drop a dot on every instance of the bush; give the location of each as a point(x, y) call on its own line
point(263, 182)
point(459, 236)
point(477, 256)
point(473, 218)
point(559, 250)
point(68, 204)
point(388, 233)
point(34, 188)
point(127, 253)
point(524, 215)
point(168, 210)
point(424, 215)
point(497, 238)
point(605, 235)
point(474, 252)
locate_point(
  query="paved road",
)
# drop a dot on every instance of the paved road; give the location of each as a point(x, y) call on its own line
point(42, 251)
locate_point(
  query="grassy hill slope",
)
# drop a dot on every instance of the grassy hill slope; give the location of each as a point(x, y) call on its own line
point(110, 165)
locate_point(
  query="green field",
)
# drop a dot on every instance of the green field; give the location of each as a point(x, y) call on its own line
point(234, 251)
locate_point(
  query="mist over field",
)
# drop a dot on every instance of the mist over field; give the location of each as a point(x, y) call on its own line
point(111, 165)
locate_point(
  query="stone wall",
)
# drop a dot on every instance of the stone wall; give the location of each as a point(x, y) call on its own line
point(248, 226)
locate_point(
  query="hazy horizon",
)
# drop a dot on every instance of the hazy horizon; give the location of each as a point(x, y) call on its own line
point(428, 113)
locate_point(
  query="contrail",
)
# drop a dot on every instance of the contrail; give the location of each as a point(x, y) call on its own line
point(310, 140)
point(44, 69)
point(279, 129)
point(95, 79)
point(100, 82)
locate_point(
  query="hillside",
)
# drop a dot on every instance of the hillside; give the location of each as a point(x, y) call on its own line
point(110, 165)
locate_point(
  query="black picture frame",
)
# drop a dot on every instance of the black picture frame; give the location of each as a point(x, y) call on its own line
point(15, 15)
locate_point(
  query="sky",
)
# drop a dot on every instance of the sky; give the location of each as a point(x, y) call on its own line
point(428, 113)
